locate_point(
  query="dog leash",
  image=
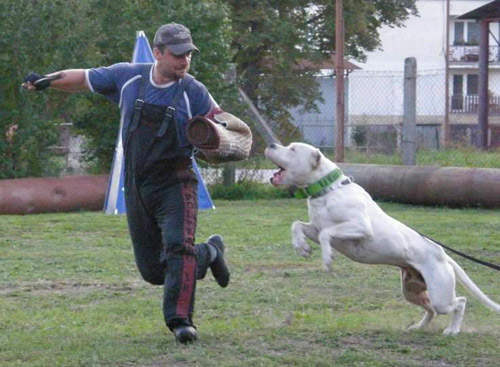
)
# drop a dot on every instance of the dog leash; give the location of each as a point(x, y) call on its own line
point(482, 262)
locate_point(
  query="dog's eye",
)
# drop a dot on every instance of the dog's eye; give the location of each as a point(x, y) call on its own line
point(292, 149)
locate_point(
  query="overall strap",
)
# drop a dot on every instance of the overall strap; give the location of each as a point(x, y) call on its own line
point(139, 102)
point(170, 111)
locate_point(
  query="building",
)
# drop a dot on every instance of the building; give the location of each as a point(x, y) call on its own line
point(446, 47)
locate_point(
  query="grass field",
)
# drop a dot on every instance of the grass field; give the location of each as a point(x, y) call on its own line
point(70, 295)
point(463, 156)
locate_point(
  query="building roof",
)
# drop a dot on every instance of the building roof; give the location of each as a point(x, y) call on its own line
point(327, 64)
point(490, 12)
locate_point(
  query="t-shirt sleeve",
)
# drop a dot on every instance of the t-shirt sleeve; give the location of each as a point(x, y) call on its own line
point(203, 103)
point(107, 80)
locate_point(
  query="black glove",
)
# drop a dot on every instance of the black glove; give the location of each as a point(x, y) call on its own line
point(39, 81)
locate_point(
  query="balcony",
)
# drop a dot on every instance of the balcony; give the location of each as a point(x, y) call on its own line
point(468, 104)
point(470, 53)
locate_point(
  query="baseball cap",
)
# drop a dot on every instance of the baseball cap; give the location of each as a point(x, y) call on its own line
point(177, 38)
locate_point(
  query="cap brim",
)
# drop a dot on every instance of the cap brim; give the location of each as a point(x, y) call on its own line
point(182, 48)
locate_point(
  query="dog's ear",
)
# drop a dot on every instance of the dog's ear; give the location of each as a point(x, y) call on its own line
point(316, 157)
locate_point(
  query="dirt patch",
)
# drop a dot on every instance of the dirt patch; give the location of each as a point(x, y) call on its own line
point(42, 287)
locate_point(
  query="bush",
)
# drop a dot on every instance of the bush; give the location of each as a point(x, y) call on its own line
point(248, 190)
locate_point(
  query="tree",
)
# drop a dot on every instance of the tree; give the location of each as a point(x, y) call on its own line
point(31, 39)
point(45, 36)
point(272, 37)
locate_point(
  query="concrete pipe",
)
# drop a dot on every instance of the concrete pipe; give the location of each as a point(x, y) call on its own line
point(46, 195)
point(429, 185)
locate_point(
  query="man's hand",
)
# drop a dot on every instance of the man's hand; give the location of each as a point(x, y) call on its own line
point(34, 81)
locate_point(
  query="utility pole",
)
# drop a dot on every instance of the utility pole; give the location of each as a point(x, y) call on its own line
point(483, 83)
point(447, 129)
point(339, 81)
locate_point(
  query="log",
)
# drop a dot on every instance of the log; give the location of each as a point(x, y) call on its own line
point(429, 185)
point(418, 185)
point(48, 195)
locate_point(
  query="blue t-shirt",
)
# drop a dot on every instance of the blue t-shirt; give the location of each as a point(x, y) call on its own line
point(119, 83)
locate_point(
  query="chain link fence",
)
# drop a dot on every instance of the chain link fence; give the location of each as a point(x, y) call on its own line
point(374, 116)
point(374, 112)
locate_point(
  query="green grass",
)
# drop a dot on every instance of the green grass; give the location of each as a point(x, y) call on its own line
point(70, 295)
point(459, 157)
point(453, 157)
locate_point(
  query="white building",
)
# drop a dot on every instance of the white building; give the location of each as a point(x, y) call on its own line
point(424, 37)
point(375, 91)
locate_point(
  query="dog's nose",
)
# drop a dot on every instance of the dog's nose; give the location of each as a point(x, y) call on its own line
point(272, 145)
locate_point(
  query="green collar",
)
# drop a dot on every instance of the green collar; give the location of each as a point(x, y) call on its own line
point(315, 189)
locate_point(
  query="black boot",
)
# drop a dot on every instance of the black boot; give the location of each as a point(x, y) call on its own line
point(218, 266)
point(185, 334)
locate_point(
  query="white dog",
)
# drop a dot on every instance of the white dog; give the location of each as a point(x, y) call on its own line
point(344, 217)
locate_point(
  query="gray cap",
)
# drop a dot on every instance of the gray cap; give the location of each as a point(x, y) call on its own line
point(177, 38)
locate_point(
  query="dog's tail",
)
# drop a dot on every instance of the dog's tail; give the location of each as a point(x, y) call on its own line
point(473, 288)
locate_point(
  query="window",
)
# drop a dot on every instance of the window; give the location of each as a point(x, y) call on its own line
point(457, 99)
point(466, 33)
point(465, 89)
point(458, 84)
point(472, 83)
point(459, 33)
point(473, 33)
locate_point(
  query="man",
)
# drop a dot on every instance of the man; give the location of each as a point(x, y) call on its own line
point(156, 101)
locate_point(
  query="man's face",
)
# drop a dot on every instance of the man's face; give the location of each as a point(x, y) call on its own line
point(172, 66)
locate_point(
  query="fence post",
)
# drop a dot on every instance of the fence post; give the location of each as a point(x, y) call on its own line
point(409, 131)
point(339, 81)
point(229, 171)
point(483, 97)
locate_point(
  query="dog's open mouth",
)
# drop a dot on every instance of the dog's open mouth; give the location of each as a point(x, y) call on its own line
point(278, 177)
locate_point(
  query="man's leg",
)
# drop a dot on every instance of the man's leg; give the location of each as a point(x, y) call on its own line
point(146, 239)
point(176, 207)
point(177, 216)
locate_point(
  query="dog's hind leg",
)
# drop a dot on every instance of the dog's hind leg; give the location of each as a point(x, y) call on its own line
point(428, 316)
point(415, 291)
point(458, 316)
point(301, 231)
point(442, 294)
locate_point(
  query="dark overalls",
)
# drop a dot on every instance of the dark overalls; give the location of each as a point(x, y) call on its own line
point(161, 199)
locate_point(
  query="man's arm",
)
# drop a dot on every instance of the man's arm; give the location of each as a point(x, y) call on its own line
point(71, 80)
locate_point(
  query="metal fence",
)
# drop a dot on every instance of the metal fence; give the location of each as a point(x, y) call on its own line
point(468, 104)
point(374, 115)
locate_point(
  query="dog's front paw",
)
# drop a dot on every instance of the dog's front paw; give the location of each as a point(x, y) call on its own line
point(327, 256)
point(327, 264)
point(302, 248)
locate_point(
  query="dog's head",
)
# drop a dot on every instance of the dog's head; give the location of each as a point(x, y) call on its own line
point(300, 164)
